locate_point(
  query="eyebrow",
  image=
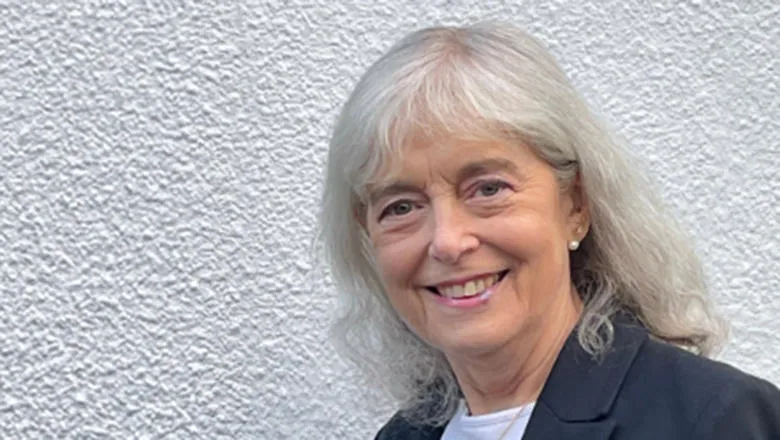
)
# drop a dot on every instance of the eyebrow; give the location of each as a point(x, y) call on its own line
point(485, 166)
point(468, 171)
point(392, 189)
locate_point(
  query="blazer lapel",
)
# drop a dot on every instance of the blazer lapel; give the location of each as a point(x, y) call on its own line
point(544, 424)
point(578, 396)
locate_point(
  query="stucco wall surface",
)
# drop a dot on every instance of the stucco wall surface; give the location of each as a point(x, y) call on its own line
point(160, 169)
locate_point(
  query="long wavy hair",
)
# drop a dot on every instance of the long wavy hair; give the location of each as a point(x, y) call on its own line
point(492, 80)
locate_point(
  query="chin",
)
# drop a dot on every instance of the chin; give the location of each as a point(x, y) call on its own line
point(474, 340)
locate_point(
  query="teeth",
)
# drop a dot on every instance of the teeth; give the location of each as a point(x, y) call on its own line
point(457, 291)
point(470, 288)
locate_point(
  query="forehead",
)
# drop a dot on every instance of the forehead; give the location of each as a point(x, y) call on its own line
point(453, 159)
point(446, 153)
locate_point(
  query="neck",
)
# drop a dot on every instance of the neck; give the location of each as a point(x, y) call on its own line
point(488, 384)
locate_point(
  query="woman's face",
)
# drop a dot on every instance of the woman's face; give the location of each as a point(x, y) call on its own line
point(471, 242)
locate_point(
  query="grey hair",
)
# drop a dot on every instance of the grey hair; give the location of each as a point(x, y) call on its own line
point(493, 80)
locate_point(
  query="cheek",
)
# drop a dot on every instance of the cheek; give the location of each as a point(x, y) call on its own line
point(397, 264)
point(398, 267)
point(536, 246)
point(525, 235)
point(547, 249)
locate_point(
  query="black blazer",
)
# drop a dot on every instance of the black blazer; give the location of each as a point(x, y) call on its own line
point(642, 389)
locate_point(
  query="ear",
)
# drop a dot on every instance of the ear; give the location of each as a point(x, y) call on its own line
point(578, 217)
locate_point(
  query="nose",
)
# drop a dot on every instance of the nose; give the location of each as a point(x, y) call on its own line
point(451, 237)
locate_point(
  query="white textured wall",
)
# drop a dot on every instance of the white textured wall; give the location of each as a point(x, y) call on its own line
point(160, 164)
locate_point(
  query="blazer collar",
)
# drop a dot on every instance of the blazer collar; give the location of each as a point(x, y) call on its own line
point(581, 388)
point(580, 391)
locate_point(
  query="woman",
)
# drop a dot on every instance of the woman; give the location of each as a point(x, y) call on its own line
point(504, 272)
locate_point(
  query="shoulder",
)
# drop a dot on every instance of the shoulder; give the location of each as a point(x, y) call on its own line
point(746, 408)
point(690, 373)
point(715, 400)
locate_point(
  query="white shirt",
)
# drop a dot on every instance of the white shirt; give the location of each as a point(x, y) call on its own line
point(487, 426)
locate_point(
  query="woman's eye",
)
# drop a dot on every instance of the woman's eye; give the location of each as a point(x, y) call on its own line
point(489, 189)
point(397, 209)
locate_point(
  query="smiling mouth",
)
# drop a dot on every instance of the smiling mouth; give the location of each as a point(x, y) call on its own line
point(470, 288)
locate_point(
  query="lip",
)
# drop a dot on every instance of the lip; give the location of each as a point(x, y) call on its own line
point(466, 279)
point(473, 301)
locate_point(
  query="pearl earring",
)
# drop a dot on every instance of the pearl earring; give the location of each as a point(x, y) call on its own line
point(574, 245)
